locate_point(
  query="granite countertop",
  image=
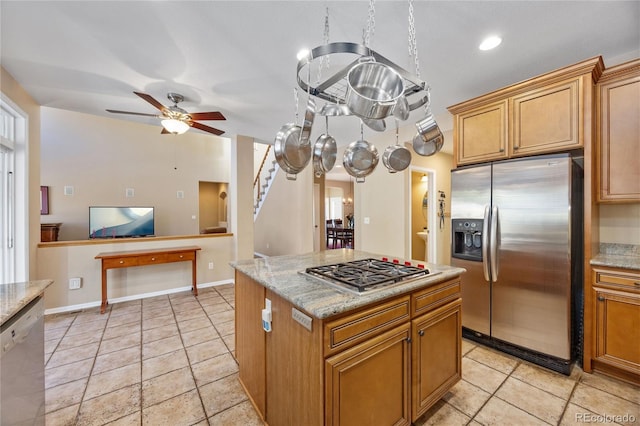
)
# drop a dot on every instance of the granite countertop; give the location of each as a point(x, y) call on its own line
point(281, 274)
point(15, 296)
point(625, 256)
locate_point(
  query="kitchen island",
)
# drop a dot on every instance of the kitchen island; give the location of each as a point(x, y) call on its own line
point(335, 356)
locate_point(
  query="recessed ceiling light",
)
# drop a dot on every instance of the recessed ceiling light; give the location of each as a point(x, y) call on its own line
point(490, 43)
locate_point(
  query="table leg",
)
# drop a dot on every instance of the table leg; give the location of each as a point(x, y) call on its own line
point(103, 306)
point(193, 276)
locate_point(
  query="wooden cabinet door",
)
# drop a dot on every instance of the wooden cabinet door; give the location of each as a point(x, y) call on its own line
point(481, 134)
point(250, 339)
point(435, 367)
point(618, 329)
point(547, 119)
point(618, 135)
point(368, 384)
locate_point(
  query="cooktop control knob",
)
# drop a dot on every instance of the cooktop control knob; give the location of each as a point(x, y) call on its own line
point(396, 261)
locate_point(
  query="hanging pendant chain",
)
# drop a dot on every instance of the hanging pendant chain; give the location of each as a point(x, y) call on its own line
point(371, 23)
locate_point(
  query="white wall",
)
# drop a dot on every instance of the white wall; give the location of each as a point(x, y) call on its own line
point(101, 157)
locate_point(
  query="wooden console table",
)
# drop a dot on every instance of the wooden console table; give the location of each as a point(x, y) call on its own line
point(126, 259)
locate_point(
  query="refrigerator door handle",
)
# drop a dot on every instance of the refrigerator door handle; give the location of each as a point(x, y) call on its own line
point(485, 243)
point(493, 244)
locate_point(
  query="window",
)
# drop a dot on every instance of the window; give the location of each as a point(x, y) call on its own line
point(14, 215)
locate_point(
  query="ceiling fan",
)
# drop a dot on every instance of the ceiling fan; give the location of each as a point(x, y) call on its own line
point(174, 119)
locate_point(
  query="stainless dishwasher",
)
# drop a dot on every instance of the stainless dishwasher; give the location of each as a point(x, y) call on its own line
point(22, 367)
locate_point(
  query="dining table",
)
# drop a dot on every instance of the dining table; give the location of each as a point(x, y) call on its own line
point(340, 234)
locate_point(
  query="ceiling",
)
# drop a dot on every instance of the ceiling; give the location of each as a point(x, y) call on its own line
point(239, 57)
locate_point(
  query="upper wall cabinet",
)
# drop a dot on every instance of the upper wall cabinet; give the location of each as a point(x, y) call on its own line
point(618, 133)
point(540, 115)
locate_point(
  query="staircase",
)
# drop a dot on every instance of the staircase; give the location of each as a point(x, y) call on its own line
point(264, 179)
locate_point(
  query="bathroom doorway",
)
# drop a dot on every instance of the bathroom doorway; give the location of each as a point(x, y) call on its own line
point(422, 215)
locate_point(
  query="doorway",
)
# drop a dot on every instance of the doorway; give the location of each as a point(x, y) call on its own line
point(422, 215)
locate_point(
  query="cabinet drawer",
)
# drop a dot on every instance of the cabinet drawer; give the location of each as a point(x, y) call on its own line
point(435, 296)
point(150, 259)
point(179, 257)
point(122, 262)
point(347, 331)
point(616, 278)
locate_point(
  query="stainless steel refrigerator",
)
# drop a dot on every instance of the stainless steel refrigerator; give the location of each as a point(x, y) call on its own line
point(517, 230)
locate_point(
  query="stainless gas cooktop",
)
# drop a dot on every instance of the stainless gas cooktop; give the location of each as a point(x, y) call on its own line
point(368, 274)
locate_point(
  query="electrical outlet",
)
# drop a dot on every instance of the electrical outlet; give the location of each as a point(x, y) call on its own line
point(210, 265)
point(75, 283)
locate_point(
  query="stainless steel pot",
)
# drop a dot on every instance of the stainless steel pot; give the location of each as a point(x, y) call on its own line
point(325, 151)
point(377, 125)
point(429, 138)
point(292, 155)
point(396, 158)
point(360, 159)
point(373, 89)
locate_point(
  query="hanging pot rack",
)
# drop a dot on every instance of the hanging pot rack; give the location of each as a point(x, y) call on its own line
point(334, 88)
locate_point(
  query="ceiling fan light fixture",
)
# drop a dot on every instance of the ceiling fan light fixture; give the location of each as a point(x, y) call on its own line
point(174, 126)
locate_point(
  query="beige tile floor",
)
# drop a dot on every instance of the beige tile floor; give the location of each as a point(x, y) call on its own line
point(168, 360)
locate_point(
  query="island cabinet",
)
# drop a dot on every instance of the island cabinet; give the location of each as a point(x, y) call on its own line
point(618, 133)
point(385, 363)
point(616, 328)
point(545, 114)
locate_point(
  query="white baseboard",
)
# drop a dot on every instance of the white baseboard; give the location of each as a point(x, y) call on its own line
point(88, 305)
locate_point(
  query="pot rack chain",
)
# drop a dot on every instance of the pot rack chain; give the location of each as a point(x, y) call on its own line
point(371, 24)
point(413, 51)
point(324, 60)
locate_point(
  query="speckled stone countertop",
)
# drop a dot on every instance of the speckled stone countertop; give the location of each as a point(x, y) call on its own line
point(281, 274)
point(15, 296)
point(626, 256)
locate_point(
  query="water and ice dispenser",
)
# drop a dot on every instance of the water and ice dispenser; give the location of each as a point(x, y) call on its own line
point(467, 239)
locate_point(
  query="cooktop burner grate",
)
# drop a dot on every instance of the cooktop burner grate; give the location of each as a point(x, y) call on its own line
point(367, 273)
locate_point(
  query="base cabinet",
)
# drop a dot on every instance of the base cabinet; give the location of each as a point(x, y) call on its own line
point(369, 384)
point(435, 368)
point(617, 323)
point(383, 364)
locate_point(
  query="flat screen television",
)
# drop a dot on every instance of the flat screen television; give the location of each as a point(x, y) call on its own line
point(121, 222)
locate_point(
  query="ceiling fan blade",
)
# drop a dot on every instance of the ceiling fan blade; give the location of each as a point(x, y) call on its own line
point(152, 101)
point(206, 128)
point(204, 116)
point(165, 132)
point(114, 111)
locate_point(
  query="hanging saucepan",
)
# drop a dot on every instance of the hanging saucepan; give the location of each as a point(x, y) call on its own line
point(309, 115)
point(373, 89)
point(429, 138)
point(396, 158)
point(324, 152)
point(334, 110)
point(360, 158)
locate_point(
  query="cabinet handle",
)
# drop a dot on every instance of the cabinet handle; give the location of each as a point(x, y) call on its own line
point(637, 283)
point(501, 150)
point(408, 339)
point(421, 333)
point(153, 258)
point(516, 147)
point(121, 262)
point(601, 298)
point(181, 256)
